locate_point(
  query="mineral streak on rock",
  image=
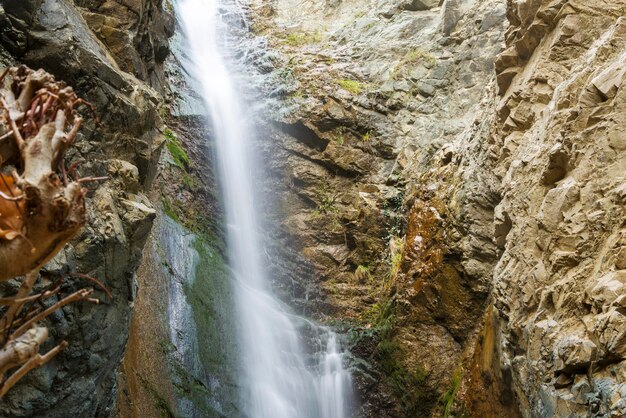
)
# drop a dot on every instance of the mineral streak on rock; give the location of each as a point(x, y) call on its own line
point(471, 183)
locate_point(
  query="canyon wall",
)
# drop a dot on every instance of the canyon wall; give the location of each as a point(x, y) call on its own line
point(445, 186)
point(111, 52)
point(453, 174)
point(559, 141)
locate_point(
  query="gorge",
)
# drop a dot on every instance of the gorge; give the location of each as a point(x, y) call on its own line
point(344, 208)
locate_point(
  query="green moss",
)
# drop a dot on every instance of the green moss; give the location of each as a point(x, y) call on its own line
point(170, 209)
point(302, 38)
point(407, 384)
point(161, 405)
point(367, 136)
point(191, 181)
point(353, 86)
point(165, 345)
point(179, 155)
point(211, 300)
point(189, 387)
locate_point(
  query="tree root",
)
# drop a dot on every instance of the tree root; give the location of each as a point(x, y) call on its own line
point(42, 207)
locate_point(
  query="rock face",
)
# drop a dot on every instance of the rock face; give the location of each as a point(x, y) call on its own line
point(559, 137)
point(454, 173)
point(110, 52)
point(379, 192)
point(448, 189)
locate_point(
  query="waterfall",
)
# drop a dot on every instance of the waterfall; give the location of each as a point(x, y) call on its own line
point(281, 376)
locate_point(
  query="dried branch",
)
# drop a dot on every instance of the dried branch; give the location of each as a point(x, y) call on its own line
point(18, 351)
point(40, 112)
point(35, 361)
point(40, 210)
point(82, 294)
point(15, 309)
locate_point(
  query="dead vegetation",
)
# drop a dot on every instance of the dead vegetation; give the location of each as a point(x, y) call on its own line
point(42, 207)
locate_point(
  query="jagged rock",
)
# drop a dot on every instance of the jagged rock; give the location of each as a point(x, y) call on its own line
point(573, 354)
point(109, 53)
point(607, 290)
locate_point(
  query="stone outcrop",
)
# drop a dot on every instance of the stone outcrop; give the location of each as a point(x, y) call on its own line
point(110, 52)
point(380, 192)
point(559, 140)
point(454, 173)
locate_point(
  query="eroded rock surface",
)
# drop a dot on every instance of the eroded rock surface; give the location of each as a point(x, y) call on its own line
point(110, 52)
point(559, 133)
point(454, 173)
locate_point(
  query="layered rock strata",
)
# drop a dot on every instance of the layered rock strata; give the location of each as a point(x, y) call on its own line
point(111, 53)
point(453, 172)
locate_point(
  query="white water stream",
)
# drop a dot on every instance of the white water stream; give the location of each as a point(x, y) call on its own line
point(280, 377)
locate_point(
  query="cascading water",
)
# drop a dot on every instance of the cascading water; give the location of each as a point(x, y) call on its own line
point(280, 378)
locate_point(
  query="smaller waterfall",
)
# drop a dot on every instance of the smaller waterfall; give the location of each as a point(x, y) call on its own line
point(280, 377)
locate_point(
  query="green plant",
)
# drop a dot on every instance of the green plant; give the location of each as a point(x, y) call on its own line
point(397, 248)
point(416, 55)
point(339, 136)
point(303, 38)
point(326, 201)
point(179, 155)
point(367, 136)
point(353, 86)
point(447, 399)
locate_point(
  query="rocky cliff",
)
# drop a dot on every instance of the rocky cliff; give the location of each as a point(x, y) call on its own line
point(453, 171)
point(559, 141)
point(446, 185)
point(111, 53)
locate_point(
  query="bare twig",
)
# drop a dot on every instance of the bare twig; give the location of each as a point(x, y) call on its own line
point(94, 280)
point(32, 298)
point(19, 140)
point(90, 179)
point(81, 294)
point(35, 361)
point(11, 198)
point(24, 290)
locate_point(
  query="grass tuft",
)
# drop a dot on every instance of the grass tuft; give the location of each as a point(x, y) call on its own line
point(353, 86)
